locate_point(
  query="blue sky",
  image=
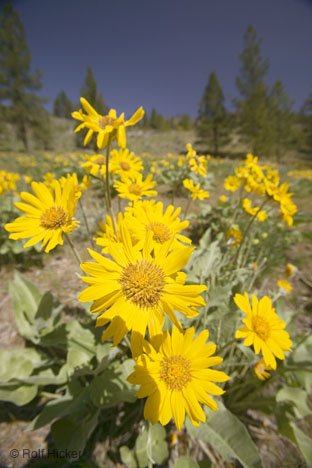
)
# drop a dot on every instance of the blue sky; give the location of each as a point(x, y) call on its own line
point(160, 53)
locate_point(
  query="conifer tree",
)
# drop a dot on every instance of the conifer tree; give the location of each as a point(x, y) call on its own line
point(254, 107)
point(212, 124)
point(20, 105)
point(90, 92)
point(306, 123)
point(282, 119)
point(62, 106)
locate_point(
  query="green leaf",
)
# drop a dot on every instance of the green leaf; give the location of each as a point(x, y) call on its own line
point(18, 394)
point(304, 443)
point(72, 433)
point(228, 435)
point(297, 396)
point(53, 410)
point(111, 387)
point(26, 298)
point(47, 377)
point(127, 457)
point(18, 363)
point(151, 446)
point(185, 462)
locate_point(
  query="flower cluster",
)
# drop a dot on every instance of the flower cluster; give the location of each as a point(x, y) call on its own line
point(262, 181)
point(8, 181)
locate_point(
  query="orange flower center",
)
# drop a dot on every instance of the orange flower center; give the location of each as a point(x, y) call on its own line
point(100, 161)
point(125, 166)
point(105, 120)
point(175, 371)
point(53, 218)
point(161, 232)
point(143, 283)
point(136, 189)
point(261, 327)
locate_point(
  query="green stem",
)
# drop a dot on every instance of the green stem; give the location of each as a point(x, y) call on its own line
point(187, 207)
point(86, 221)
point(107, 185)
point(247, 230)
point(74, 250)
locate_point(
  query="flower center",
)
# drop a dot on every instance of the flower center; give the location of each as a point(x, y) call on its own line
point(125, 166)
point(135, 188)
point(53, 218)
point(143, 283)
point(100, 161)
point(161, 232)
point(175, 371)
point(261, 327)
point(105, 120)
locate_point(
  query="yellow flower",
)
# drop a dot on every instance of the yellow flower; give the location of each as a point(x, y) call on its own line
point(107, 233)
point(263, 328)
point(8, 181)
point(95, 165)
point(223, 198)
point(49, 214)
point(79, 186)
point(261, 215)
point(148, 215)
point(197, 164)
point(134, 290)
point(285, 286)
point(232, 183)
point(261, 370)
point(234, 235)
point(196, 191)
point(106, 126)
point(134, 188)
point(49, 179)
point(125, 164)
point(175, 375)
point(290, 270)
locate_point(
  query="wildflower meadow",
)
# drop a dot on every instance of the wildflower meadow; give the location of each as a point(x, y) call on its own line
point(160, 309)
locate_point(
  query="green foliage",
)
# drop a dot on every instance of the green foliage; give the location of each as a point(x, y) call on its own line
point(21, 106)
point(229, 437)
point(212, 117)
point(150, 446)
point(62, 107)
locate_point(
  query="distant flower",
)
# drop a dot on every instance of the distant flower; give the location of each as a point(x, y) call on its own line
point(263, 328)
point(196, 192)
point(232, 183)
point(125, 163)
point(285, 286)
point(223, 198)
point(197, 164)
point(48, 214)
point(234, 235)
point(135, 188)
point(176, 377)
point(290, 270)
point(95, 165)
point(106, 126)
point(261, 215)
point(261, 370)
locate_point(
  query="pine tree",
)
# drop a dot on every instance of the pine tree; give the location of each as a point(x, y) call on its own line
point(20, 105)
point(254, 106)
point(62, 106)
point(212, 117)
point(90, 92)
point(306, 123)
point(282, 119)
